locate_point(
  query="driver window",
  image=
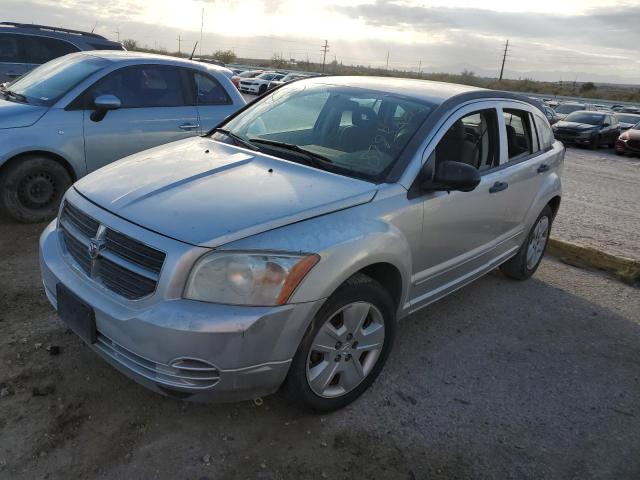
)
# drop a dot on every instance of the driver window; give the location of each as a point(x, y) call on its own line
point(472, 139)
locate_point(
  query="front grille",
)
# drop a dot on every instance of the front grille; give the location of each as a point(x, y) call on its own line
point(186, 373)
point(566, 133)
point(123, 265)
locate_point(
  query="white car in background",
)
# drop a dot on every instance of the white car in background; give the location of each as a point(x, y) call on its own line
point(260, 84)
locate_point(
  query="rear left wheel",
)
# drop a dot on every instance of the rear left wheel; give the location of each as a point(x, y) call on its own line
point(345, 348)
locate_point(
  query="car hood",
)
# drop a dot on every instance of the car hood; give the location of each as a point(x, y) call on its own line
point(207, 193)
point(16, 115)
point(575, 126)
point(632, 134)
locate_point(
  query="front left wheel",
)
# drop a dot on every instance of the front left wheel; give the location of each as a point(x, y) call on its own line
point(345, 347)
point(32, 187)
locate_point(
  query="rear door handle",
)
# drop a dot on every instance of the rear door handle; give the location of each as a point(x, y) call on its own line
point(188, 126)
point(498, 187)
point(543, 168)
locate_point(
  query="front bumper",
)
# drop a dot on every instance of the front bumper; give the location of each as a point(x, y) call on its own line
point(625, 146)
point(236, 352)
point(574, 139)
point(249, 88)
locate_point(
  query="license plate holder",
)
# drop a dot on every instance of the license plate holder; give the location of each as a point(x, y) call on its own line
point(76, 314)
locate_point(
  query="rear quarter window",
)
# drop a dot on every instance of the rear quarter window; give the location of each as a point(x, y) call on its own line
point(545, 135)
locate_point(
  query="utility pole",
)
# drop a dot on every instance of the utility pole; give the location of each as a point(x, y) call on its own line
point(504, 58)
point(179, 46)
point(201, 27)
point(118, 33)
point(420, 67)
point(324, 49)
point(387, 59)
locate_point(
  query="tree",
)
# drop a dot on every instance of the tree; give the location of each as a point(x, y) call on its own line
point(224, 56)
point(588, 86)
point(277, 61)
point(130, 44)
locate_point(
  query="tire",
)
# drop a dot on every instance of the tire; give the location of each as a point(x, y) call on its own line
point(336, 364)
point(595, 143)
point(262, 89)
point(32, 187)
point(519, 267)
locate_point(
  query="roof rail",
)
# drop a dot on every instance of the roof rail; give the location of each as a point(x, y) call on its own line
point(53, 29)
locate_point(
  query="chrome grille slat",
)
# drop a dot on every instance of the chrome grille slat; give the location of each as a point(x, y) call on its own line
point(124, 265)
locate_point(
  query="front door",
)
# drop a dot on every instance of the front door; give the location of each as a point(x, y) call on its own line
point(157, 107)
point(463, 233)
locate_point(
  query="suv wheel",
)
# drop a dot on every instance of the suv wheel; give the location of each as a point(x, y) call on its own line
point(345, 348)
point(526, 261)
point(595, 143)
point(262, 89)
point(31, 188)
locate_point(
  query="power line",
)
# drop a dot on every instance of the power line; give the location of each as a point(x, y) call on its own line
point(324, 49)
point(504, 58)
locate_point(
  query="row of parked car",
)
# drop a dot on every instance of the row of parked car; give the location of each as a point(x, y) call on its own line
point(595, 125)
point(258, 82)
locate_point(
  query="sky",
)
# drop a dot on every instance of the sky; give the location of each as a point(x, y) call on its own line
point(569, 40)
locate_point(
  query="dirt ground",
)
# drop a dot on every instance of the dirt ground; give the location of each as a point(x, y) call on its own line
point(503, 379)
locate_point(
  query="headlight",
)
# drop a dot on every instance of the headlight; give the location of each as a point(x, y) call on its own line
point(258, 279)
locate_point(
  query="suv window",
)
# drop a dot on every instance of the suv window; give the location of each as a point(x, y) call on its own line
point(145, 86)
point(10, 49)
point(520, 139)
point(209, 91)
point(43, 49)
point(472, 139)
point(545, 135)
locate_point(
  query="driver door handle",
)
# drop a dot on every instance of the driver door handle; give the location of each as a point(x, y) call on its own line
point(188, 126)
point(543, 168)
point(498, 187)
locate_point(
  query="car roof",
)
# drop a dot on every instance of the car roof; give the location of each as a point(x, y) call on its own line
point(129, 57)
point(426, 90)
point(74, 36)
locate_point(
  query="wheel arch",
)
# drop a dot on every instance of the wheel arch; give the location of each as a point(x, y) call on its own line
point(44, 153)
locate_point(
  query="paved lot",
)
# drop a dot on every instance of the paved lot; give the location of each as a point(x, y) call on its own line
point(600, 205)
point(504, 379)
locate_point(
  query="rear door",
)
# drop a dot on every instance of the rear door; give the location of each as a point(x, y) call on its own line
point(528, 157)
point(213, 102)
point(157, 107)
point(13, 60)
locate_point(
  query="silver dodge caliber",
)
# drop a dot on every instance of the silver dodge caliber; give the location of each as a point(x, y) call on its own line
point(281, 249)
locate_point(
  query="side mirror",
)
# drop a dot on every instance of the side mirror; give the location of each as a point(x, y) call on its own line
point(103, 104)
point(454, 176)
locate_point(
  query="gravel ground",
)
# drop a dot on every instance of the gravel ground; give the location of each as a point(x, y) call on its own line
point(527, 380)
point(600, 201)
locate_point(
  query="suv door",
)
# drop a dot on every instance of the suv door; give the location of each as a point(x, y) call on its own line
point(212, 100)
point(529, 157)
point(13, 61)
point(463, 233)
point(156, 107)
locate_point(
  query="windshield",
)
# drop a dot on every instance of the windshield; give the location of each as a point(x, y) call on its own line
point(637, 127)
point(633, 119)
point(585, 117)
point(568, 108)
point(249, 74)
point(358, 132)
point(49, 82)
point(266, 76)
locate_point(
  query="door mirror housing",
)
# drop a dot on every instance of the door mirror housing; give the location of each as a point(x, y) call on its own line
point(454, 176)
point(103, 104)
point(107, 102)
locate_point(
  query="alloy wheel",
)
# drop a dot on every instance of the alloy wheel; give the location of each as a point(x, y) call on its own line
point(537, 242)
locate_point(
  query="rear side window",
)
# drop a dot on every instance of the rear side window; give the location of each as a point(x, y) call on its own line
point(43, 49)
point(145, 86)
point(520, 136)
point(209, 91)
point(545, 135)
point(11, 50)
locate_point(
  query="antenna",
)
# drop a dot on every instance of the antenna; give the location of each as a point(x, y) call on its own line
point(504, 58)
point(193, 51)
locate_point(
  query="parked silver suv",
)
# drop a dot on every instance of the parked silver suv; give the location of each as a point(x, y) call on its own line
point(282, 248)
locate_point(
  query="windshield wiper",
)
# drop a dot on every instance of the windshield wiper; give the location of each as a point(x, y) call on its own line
point(315, 159)
point(17, 96)
point(236, 138)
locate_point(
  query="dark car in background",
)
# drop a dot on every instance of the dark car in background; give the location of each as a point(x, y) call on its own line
point(551, 114)
point(587, 128)
point(24, 46)
point(565, 109)
point(627, 120)
point(246, 74)
point(629, 141)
